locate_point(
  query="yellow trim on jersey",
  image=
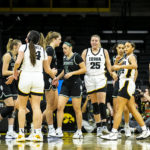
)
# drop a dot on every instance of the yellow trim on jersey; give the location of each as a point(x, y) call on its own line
point(131, 73)
point(127, 88)
point(103, 86)
point(122, 86)
point(126, 73)
point(36, 92)
point(98, 88)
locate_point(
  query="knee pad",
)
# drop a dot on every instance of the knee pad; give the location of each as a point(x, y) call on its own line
point(95, 109)
point(102, 108)
point(12, 115)
point(7, 111)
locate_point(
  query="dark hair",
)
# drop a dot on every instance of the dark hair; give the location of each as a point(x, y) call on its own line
point(70, 42)
point(33, 38)
point(115, 46)
point(132, 44)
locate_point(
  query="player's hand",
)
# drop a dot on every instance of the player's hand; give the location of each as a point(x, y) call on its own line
point(114, 76)
point(10, 79)
point(16, 74)
point(118, 58)
point(68, 75)
point(55, 82)
point(55, 71)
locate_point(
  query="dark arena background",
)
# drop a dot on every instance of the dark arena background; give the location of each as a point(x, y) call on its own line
point(114, 21)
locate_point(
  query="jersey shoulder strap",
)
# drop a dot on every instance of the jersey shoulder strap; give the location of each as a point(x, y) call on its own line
point(25, 48)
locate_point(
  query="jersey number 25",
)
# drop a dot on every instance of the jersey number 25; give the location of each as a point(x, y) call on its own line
point(95, 65)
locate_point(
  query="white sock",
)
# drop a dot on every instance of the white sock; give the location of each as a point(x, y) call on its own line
point(32, 126)
point(10, 128)
point(21, 130)
point(50, 126)
point(79, 130)
point(114, 130)
point(38, 131)
point(126, 125)
point(143, 127)
point(59, 129)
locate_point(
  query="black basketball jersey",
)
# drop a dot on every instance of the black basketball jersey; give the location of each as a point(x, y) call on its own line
point(120, 70)
point(72, 64)
point(51, 52)
point(10, 67)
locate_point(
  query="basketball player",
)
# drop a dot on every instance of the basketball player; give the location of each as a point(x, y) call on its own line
point(33, 59)
point(53, 40)
point(119, 47)
point(97, 59)
point(125, 94)
point(71, 87)
point(9, 92)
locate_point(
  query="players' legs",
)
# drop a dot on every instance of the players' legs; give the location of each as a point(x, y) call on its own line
point(76, 102)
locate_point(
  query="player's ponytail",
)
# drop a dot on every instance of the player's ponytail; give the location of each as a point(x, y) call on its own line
point(32, 53)
point(33, 38)
point(42, 40)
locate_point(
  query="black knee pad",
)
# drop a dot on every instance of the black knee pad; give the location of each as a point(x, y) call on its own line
point(7, 111)
point(102, 108)
point(12, 115)
point(95, 109)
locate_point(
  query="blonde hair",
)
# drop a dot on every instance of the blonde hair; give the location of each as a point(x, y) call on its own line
point(50, 36)
point(42, 40)
point(11, 43)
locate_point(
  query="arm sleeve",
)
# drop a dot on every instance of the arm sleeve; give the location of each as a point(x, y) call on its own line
point(50, 51)
point(78, 59)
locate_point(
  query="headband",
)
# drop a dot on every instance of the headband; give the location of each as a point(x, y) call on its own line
point(67, 43)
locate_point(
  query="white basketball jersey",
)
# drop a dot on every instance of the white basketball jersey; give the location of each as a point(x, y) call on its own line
point(127, 73)
point(40, 56)
point(95, 63)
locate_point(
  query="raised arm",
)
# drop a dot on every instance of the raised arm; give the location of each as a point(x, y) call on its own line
point(6, 61)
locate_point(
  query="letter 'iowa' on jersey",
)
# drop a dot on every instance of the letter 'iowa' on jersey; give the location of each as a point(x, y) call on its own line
point(95, 63)
point(127, 73)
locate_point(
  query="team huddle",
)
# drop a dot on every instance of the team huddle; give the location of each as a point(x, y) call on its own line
point(31, 69)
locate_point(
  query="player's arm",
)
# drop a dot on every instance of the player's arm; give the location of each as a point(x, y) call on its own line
point(47, 69)
point(19, 60)
point(60, 75)
point(108, 65)
point(6, 61)
point(132, 65)
point(18, 63)
point(83, 55)
point(82, 69)
point(136, 75)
